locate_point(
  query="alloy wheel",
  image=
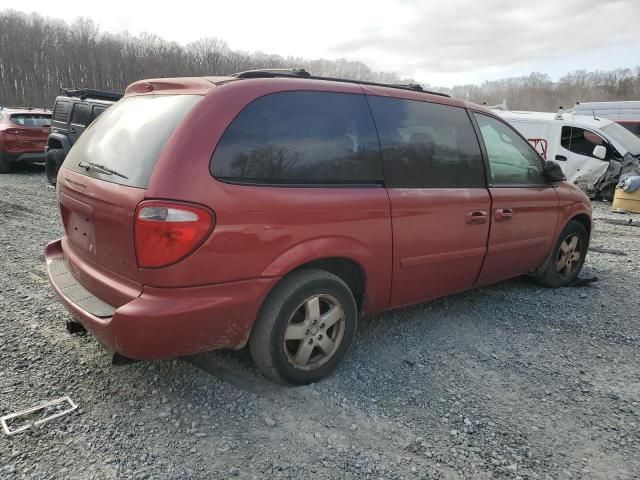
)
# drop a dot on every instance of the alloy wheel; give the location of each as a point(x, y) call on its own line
point(314, 332)
point(569, 255)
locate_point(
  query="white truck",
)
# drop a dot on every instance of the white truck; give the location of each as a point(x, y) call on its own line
point(592, 151)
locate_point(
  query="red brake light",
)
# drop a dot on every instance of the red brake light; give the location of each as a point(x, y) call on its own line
point(140, 87)
point(166, 232)
point(13, 131)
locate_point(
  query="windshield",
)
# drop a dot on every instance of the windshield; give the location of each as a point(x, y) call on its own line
point(624, 137)
point(129, 137)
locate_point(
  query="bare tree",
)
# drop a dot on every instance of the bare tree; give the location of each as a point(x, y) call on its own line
point(38, 55)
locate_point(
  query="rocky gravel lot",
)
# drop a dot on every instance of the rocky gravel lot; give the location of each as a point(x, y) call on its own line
point(511, 381)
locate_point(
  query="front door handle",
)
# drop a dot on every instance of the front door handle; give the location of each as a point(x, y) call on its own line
point(503, 214)
point(561, 158)
point(478, 216)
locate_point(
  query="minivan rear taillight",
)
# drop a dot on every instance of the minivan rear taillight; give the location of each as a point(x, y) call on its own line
point(166, 232)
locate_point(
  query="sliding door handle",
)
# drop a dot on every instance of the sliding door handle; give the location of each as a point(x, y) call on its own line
point(503, 214)
point(478, 216)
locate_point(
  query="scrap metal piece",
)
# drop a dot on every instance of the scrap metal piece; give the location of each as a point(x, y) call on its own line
point(610, 251)
point(619, 221)
point(8, 431)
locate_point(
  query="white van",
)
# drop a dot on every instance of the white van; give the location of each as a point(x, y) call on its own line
point(626, 114)
point(583, 146)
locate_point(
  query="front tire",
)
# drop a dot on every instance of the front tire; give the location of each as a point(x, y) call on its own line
point(567, 258)
point(304, 328)
point(52, 164)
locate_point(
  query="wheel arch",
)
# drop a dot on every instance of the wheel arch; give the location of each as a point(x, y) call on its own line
point(584, 219)
point(344, 257)
point(57, 141)
point(581, 217)
point(54, 143)
point(347, 269)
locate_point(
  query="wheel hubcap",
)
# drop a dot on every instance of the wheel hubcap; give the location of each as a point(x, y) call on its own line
point(569, 255)
point(314, 332)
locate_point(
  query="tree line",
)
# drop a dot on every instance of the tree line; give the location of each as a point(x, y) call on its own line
point(538, 92)
point(38, 55)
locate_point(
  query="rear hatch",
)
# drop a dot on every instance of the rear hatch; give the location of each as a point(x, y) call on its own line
point(105, 177)
point(28, 132)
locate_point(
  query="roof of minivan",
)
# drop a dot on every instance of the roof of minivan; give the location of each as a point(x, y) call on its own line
point(545, 117)
point(203, 85)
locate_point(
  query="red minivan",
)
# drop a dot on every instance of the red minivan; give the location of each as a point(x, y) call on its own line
point(274, 208)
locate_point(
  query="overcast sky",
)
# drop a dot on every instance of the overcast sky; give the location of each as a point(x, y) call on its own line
point(442, 43)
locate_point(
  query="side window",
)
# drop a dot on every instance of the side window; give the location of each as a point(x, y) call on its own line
point(633, 127)
point(512, 160)
point(80, 114)
point(97, 110)
point(581, 141)
point(61, 111)
point(301, 137)
point(427, 145)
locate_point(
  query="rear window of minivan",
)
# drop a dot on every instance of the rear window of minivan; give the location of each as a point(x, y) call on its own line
point(129, 137)
point(301, 138)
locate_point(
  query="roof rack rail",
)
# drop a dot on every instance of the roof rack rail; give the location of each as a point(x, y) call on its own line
point(84, 93)
point(273, 72)
point(302, 73)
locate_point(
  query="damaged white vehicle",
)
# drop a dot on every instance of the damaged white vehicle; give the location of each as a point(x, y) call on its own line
point(593, 152)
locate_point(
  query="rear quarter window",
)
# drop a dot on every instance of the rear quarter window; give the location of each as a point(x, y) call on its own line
point(129, 137)
point(301, 138)
point(61, 111)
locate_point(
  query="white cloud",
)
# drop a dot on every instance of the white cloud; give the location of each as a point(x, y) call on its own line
point(442, 43)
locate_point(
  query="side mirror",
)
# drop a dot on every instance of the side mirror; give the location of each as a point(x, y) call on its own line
point(552, 171)
point(533, 173)
point(600, 152)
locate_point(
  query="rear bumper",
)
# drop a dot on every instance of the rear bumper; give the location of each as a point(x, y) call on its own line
point(162, 322)
point(28, 157)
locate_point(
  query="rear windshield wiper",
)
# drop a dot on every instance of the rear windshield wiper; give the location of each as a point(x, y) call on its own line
point(89, 165)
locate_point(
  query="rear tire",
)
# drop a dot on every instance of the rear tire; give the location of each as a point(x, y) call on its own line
point(567, 257)
point(52, 164)
point(304, 328)
point(5, 164)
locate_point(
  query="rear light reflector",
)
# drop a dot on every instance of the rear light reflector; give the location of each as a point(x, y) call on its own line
point(167, 232)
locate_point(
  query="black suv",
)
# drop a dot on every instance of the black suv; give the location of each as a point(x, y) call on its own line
point(74, 110)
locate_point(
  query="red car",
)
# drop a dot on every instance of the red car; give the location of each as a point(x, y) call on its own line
point(23, 136)
point(274, 209)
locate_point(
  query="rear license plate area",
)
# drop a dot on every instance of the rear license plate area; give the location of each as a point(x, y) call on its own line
point(80, 229)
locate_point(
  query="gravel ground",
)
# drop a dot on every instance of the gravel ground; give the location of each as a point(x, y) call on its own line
point(511, 381)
